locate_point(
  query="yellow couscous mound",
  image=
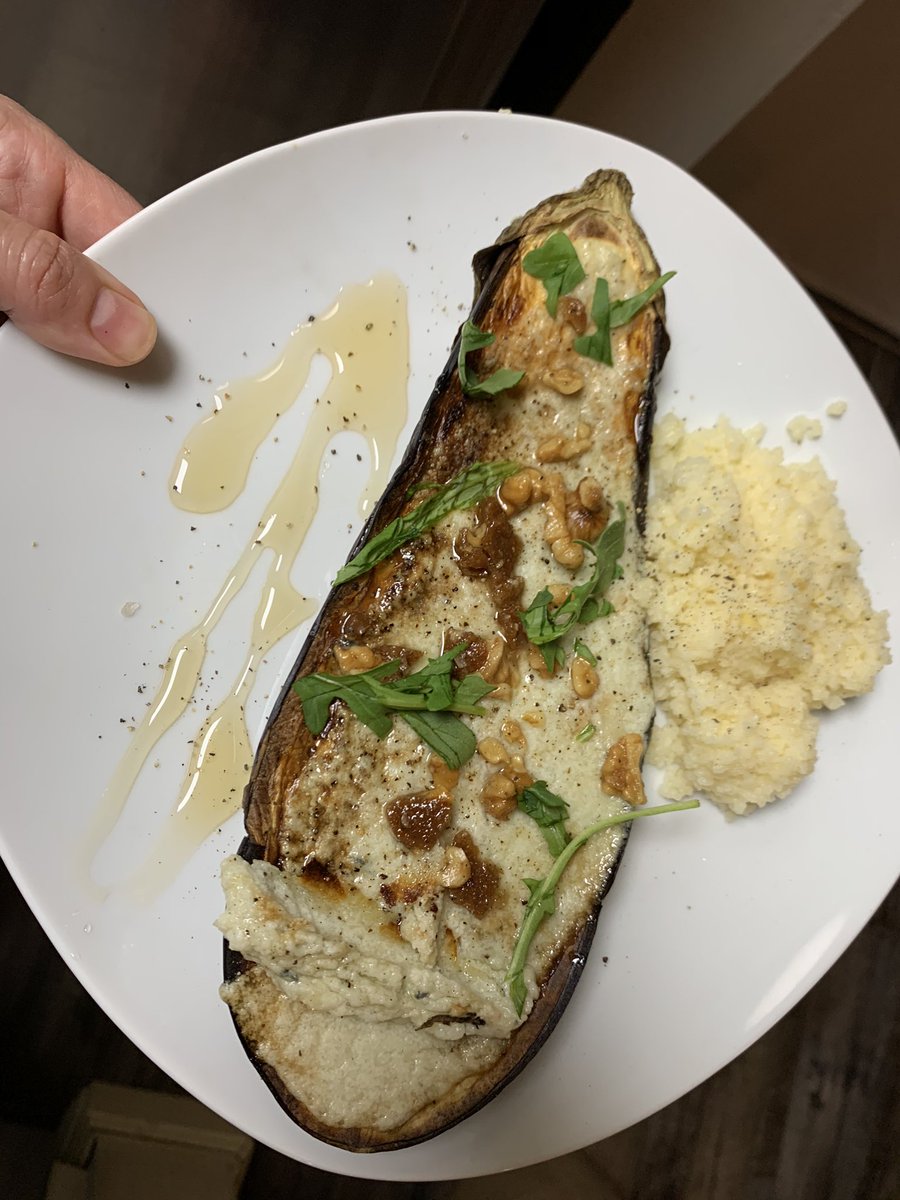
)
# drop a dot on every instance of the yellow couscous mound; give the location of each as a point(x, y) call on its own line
point(758, 614)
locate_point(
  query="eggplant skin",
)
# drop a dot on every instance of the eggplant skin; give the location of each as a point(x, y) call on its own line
point(454, 432)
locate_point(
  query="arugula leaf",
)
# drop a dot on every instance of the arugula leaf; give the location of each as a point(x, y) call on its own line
point(427, 700)
point(445, 734)
point(549, 811)
point(594, 609)
point(585, 601)
point(557, 265)
point(469, 690)
point(554, 656)
point(538, 898)
point(541, 632)
point(607, 316)
point(440, 696)
point(463, 491)
point(581, 649)
point(585, 735)
point(421, 487)
point(542, 892)
point(622, 311)
point(433, 681)
point(434, 667)
point(319, 690)
point(536, 619)
point(369, 709)
point(597, 344)
point(472, 338)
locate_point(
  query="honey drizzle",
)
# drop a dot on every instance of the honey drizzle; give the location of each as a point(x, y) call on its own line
point(365, 337)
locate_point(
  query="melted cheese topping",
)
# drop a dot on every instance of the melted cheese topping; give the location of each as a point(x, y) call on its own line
point(384, 945)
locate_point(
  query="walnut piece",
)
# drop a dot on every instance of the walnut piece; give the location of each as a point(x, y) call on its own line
point(621, 771)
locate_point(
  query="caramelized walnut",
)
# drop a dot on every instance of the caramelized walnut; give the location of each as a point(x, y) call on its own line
point(567, 552)
point(564, 380)
point(585, 679)
point(553, 492)
point(498, 796)
point(572, 312)
point(535, 718)
point(478, 893)
point(621, 770)
point(516, 773)
point(445, 778)
point(493, 751)
point(559, 448)
point(351, 659)
point(587, 510)
point(513, 732)
point(456, 869)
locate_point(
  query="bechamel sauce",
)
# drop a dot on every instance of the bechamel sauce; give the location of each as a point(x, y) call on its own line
point(365, 337)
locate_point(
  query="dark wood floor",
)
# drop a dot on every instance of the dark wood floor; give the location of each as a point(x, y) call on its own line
point(812, 1110)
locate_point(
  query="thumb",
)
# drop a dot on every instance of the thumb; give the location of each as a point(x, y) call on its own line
point(66, 301)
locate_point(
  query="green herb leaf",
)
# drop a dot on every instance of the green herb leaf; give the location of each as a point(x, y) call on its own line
point(427, 700)
point(445, 734)
point(585, 601)
point(464, 491)
point(538, 898)
point(434, 668)
point(549, 811)
point(581, 649)
point(557, 265)
point(607, 316)
point(421, 487)
point(622, 311)
point(472, 338)
point(318, 691)
point(597, 344)
point(367, 708)
point(518, 993)
point(433, 683)
point(542, 892)
point(554, 656)
point(440, 695)
point(469, 690)
point(585, 735)
point(607, 551)
point(538, 626)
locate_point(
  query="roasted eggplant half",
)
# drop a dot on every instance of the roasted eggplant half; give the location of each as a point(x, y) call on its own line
point(472, 699)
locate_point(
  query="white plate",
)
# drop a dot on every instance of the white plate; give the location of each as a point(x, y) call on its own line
point(713, 929)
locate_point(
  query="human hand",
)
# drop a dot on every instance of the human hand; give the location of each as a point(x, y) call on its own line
point(53, 204)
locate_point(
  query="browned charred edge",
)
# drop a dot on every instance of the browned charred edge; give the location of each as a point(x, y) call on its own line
point(453, 427)
point(449, 436)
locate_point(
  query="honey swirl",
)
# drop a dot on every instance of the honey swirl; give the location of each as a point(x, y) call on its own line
point(364, 336)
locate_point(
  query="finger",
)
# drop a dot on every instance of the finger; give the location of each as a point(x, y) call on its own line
point(66, 301)
point(43, 181)
point(92, 204)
